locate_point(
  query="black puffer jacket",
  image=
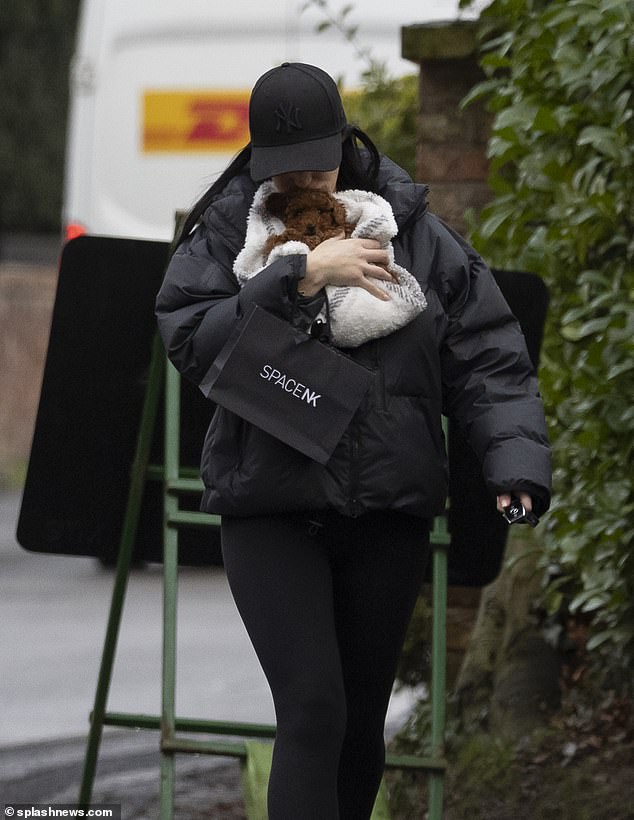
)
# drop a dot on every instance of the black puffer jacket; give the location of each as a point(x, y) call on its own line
point(464, 356)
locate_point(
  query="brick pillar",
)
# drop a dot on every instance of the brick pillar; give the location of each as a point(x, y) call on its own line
point(451, 144)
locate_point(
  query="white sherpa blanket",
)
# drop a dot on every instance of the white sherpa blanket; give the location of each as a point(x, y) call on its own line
point(355, 315)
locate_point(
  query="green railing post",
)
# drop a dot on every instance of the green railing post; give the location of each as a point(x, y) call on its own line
point(170, 591)
point(440, 540)
point(438, 682)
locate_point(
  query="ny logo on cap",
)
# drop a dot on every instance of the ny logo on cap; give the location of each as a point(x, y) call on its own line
point(286, 114)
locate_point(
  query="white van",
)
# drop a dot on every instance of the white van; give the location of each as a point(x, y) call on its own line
point(159, 93)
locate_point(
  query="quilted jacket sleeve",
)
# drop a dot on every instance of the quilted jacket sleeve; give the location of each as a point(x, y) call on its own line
point(489, 385)
point(200, 300)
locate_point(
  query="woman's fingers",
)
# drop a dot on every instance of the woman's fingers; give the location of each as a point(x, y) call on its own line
point(374, 255)
point(505, 499)
point(378, 272)
point(348, 262)
point(367, 284)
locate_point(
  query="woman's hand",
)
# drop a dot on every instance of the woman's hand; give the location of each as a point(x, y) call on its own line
point(347, 262)
point(505, 499)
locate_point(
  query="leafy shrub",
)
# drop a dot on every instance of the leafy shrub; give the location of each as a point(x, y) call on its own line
point(560, 81)
point(37, 41)
point(386, 110)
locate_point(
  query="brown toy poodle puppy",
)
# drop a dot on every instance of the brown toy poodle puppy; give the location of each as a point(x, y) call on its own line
point(308, 216)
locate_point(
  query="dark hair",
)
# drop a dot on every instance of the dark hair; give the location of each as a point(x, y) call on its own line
point(237, 164)
point(359, 169)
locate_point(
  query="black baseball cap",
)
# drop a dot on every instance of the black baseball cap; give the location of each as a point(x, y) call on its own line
point(296, 120)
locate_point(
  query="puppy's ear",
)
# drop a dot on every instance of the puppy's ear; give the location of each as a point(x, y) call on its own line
point(276, 204)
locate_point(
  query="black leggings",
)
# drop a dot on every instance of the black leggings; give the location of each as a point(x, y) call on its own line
point(326, 601)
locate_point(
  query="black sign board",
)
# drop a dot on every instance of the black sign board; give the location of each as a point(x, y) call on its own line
point(88, 419)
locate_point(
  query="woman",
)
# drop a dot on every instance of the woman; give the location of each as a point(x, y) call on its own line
point(325, 561)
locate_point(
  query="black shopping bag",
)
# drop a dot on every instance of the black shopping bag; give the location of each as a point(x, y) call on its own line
point(287, 383)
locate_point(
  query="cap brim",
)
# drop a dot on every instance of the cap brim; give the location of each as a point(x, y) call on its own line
point(312, 155)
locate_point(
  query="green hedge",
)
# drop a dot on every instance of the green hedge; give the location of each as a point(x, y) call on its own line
point(386, 109)
point(560, 81)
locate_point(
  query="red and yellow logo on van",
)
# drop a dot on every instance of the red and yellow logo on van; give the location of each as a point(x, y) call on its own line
point(195, 121)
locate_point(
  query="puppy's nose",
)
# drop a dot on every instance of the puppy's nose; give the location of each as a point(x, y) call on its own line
point(311, 230)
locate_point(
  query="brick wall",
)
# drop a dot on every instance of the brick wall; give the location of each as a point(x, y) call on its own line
point(27, 293)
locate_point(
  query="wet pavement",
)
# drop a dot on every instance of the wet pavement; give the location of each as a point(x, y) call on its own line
point(53, 612)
